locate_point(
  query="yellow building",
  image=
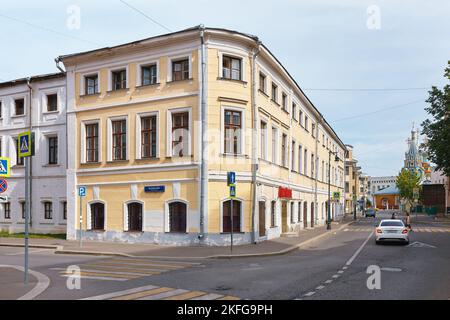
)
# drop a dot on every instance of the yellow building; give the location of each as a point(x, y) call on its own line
point(155, 125)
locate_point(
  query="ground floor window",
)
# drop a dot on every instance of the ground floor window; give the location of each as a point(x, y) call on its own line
point(98, 216)
point(7, 210)
point(292, 213)
point(177, 217)
point(273, 214)
point(226, 217)
point(135, 217)
point(48, 210)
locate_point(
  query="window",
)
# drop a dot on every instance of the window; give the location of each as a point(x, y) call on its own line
point(263, 140)
point(148, 137)
point(91, 84)
point(19, 160)
point(7, 210)
point(299, 211)
point(323, 170)
point(284, 150)
point(273, 221)
point(232, 131)
point(347, 187)
point(180, 134)
point(64, 205)
point(313, 130)
point(262, 82)
point(180, 70)
point(347, 170)
point(300, 118)
point(274, 92)
point(52, 102)
point(22, 209)
point(119, 135)
point(177, 217)
point(312, 166)
point(134, 217)
point(1, 109)
point(92, 142)
point(293, 156)
point(119, 79)
point(48, 210)
point(305, 169)
point(300, 159)
point(226, 216)
point(294, 111)
point(52, 150)
point(284, 101)
point(149, 74)
point(231, 68)
point(274, 144)
point(98, 216)
point(292, 213)
point(19, 107)
point(306, 123)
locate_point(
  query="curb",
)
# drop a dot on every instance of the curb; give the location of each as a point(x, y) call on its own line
point(60, 250)
point(35, 246)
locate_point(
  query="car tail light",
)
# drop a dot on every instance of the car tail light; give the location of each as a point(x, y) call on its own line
point(405, 231)
point(379, 231)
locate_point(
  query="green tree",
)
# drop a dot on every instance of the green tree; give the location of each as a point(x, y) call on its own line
point(406, 182)
point(437, 129)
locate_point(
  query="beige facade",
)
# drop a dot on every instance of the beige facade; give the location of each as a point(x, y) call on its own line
point(153, 135)
point(352, 181)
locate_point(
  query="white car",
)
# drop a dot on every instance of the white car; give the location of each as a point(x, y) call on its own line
point(391, 230)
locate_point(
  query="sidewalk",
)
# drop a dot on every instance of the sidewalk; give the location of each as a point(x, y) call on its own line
point(267, 248)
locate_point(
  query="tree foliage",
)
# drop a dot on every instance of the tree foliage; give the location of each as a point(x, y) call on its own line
point(437, 129)
point(406, 182)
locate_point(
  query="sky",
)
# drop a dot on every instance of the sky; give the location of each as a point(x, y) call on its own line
point(366, 65)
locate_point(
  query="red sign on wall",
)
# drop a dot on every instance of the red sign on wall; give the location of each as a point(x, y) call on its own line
point(284, 193)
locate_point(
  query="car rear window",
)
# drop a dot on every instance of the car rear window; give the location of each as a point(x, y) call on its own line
point(392, 224)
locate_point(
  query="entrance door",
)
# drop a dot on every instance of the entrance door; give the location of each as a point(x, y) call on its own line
point(312, 215)
point(305, 214)
point(284, 226)
point(262, 218)
point(135, 217)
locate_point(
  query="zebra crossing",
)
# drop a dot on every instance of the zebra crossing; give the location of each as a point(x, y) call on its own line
point(122, 269)
point(415, 229)
point(151, 292)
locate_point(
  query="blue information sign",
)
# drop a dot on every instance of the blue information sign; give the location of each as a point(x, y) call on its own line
point(82, 191)
point(154, 188)
point(231, 178)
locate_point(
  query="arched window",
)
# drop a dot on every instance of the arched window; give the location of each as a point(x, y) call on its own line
point(177, 217)
point(135, 217)
point(226, 216)
point(98, 216)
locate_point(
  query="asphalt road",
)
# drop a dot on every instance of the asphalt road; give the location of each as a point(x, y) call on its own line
point(333, 267)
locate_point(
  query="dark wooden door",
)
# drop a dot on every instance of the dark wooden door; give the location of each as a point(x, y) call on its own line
point(262, 218)
point(135, 217)
point(177, 217)
point(305, 214)
point(312, 215)
point(98, 216)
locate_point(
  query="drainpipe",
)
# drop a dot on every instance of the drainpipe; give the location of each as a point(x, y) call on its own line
point(254, 139)
point(30, 127)
point(204, 137)
point(57, 61)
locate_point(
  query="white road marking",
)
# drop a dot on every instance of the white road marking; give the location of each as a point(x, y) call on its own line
point(164, 295)
point(120, 293)
point(41, 286)
point(329, 281)
point(320, 287)
point(349, 262)
point(97, 278)
point(335, 276)
point(103, 271)
point(210, 296)
point(341, 271)
point(344, 268)
point(391, 269)
point(309, 294)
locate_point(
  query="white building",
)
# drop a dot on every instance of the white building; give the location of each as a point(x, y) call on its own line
point(38, 104)
point(379, 183)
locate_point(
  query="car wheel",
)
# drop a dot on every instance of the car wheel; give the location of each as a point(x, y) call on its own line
point(406, 243)
point(377, 242)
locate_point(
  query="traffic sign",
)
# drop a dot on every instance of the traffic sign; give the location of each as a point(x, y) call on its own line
point(24, 146)
point(82, 191)
point(3, 185)
point(5, 167)
point(3, 199)
point(231, 178)
point(336, 195)
point(232, 191)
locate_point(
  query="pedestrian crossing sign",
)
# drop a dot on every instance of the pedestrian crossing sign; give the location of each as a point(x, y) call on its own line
point(5, 167)
point(24, 146)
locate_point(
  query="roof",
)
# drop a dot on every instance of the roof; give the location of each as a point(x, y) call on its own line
point(389, 190)
point(36, 78)
point(198, 28)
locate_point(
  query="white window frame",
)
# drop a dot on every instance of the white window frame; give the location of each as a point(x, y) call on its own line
point(46, 136)
point(44, 101)
point(176, 58)
point(89, 214)
point(300, 157)
point(110, 78)
point(167, 214)
point(25, 106)
point(275, 153)
point(83, 139)
point(83, 82)
point(169, 130)
point(138, 139)
point(139, 67)
point(236, 56)
point(266, 142)
point(110, 142)
point(222, 128)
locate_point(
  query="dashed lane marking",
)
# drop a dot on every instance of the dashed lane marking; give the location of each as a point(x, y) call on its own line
point(320, 287)
point(309, 294)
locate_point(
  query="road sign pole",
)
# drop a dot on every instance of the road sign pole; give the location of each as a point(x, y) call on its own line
point(231, 205)
point(27, 214)
point(81, 222)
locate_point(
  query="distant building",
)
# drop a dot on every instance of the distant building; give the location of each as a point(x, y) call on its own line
point(387, 198)
point(352, 182)
point(380, 183)
point(416, 159)
point(438, 177)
